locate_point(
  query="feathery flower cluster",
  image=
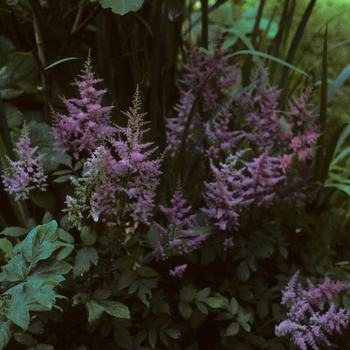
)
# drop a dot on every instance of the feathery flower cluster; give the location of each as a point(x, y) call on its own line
point(308, 318)
point(87, 123)
point(216, 76)
point(179, 237)
point(114, 188)
point(27, 173)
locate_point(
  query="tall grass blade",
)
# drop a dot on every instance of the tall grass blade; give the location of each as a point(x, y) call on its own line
point(321, 166)
point(296, 41)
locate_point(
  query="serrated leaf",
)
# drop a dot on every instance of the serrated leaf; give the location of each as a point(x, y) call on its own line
point(232, 329)
point(121, 7)
point(214, 302)
point(64, 252)
point(116, 309)
point(39, 243)
point(202, 294)
point(152, 337)
point(64, 159)
point(201, 307)
point(15, 231)
point(88, 236)
point(188, 293)
point(185, 309)
point(126, 279)
point(65, 236)
point(207, 257)
point(144, 271)
point(83, 260)
point(160, 307)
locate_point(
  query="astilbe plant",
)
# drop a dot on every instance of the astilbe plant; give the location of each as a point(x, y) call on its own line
point(87, 123)
point(312, 313)
point(26, 173)
point(179, 236)
point(271, 150)
point(118, 181)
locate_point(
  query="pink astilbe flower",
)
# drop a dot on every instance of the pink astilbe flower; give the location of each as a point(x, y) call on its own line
point(27, 173)
point(216, 75)
point(87, 123)
point(226, 195)
point(309, 319)
point(115, 188)
point(178, 271)
point(178, 237)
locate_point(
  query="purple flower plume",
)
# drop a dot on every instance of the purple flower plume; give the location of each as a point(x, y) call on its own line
point(118, 182)
point(312, 313)
point(178, 236)
point(87, 123)
point(25, 174)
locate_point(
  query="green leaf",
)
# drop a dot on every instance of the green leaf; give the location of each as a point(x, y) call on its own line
point(142, 292)
point(123, 338)
point(144, 271)
point(50, 269)
point(61, 61)
point(262, 308)
point(283, 251)
point(65, 236)
point(126, 279)
point(202, 294)
point(232, 329)
point(116, 309)
point(5, 333)
point(188, 293)
point(243, 271)
point(185, 309)
point(234, 306)
point(214, 302)
point(83, 260)
point(201, 307)
point(173, 333)
point(17, 269)
point(39, 243)
point(15, 231)
point(152, 337)
point(121, 7)
point(272, 58)
point(6, 246)
point(88, 236)
point(25, 339)
point(18, 313)
point(95, 310)
point(197, 318)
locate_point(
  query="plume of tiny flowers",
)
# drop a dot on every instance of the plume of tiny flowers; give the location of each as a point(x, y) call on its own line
point(87, 123)
point(213, 77)
point(309, 320)
point(178, 237)
point(118, 182)
point(27, 173)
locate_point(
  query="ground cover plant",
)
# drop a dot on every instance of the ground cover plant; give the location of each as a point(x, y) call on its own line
point(183, 196)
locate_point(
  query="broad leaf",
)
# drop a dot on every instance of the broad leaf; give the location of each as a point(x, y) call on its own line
point(121, 7)
point(83, 260)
